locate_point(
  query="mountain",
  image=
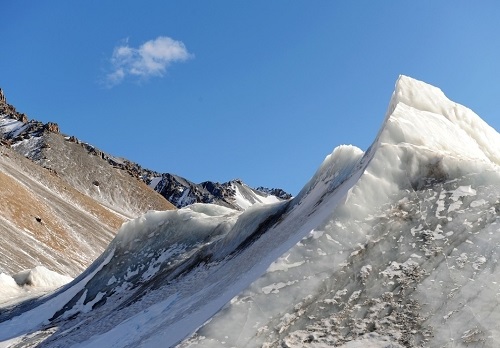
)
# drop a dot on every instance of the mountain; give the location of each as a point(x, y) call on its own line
point(233, 194)
point(393, 247)
point(111, 181)
point(61, 206)
point(95, 173)
point(70, 178)
point(277, 192)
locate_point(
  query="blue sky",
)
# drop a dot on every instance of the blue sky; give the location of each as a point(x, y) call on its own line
point(257, 90)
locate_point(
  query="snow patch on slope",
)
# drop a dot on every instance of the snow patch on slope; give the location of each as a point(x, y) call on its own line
point(11, 126)
point(29, 283)
point(246, 197)
point(32, 319)
point(40, 277)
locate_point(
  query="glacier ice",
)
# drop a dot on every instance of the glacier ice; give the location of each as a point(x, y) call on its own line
point(411, 254)
point(394, 247)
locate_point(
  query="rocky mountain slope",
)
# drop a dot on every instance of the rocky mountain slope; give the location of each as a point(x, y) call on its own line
point(61, 206)
point(112, 182)
point(394, 247)
point(104, 177)
point(45, 221)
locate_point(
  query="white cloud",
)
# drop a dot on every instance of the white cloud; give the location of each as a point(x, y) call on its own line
point(152, 58)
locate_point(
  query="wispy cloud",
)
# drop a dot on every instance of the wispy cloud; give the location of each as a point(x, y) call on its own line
point(152, 58)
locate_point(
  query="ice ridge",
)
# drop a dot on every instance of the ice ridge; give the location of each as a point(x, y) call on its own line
point(426, 117)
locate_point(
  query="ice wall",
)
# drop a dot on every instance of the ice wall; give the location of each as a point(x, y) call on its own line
point(395, 264)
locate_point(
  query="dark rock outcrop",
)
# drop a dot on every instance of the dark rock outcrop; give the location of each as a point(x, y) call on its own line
point(52, 127)
point(280, 193)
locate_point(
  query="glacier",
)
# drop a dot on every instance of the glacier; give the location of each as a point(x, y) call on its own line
point(408, 260)
point(393, 247)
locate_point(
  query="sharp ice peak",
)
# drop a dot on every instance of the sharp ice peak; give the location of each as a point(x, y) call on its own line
point(421, 114)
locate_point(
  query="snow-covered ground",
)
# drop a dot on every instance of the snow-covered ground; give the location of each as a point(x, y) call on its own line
point(394, 247)
point(29, 283)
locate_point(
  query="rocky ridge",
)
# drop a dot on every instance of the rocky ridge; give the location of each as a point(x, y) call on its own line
point(280, 193)
point(233, 194)
point(44, 144)
point(84, 167)
point(15, 126)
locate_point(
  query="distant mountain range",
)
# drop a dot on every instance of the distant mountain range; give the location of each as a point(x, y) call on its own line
point(233, 194)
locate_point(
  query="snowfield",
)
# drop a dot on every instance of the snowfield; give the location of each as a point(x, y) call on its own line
point(394, 247)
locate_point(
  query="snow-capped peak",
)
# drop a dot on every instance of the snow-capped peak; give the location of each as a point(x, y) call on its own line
point(232, 194)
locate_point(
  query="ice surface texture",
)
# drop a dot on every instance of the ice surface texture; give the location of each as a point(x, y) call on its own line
point(395, 247)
